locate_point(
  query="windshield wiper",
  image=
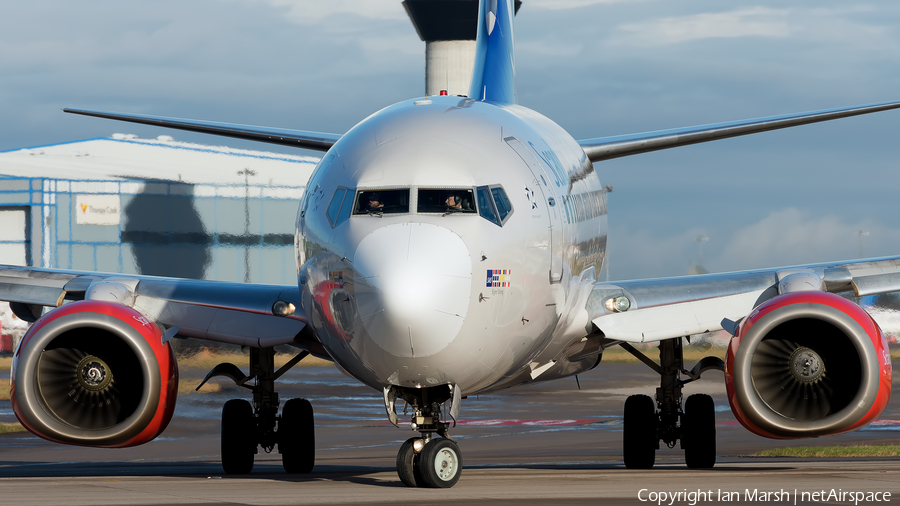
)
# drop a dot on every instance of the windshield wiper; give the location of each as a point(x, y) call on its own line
point(380, 214)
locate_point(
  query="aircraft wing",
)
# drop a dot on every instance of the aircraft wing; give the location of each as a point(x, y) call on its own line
point(605, 148)
point(236, 313)
point(667, 308)
point(297, 138)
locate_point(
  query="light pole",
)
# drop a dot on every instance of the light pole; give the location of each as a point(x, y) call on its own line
point(247, 173)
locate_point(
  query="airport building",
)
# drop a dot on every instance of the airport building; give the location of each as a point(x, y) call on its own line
point(157, 207)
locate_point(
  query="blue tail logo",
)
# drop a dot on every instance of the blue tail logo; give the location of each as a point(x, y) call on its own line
point(494, 76)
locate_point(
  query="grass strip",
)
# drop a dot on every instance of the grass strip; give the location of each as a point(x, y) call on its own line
point(620, 356)
point(187, 385)
point(833, 451)
point(9, 428)
point(207, 360)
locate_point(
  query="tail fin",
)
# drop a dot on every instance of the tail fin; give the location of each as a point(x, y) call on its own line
point(494, 76)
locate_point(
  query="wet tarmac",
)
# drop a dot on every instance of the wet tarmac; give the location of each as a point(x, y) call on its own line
point(549, 443)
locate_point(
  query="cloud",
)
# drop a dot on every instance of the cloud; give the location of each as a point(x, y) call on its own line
point(555, 5)
point(782, 238)
point(306, 12)
point(791, 236)
point(749, 22)
point(641, 254)
point(548, 47)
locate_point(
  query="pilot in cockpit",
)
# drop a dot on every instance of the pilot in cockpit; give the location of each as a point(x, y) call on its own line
point(375, 203)
point(453, 201)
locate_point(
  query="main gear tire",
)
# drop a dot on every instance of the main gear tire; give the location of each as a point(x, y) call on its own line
point(238, 440)
point(698, 429)
point(297, 437)
point(640, 440)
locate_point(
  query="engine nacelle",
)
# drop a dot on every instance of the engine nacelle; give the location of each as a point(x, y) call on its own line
point(94, 373)
point(807, 364)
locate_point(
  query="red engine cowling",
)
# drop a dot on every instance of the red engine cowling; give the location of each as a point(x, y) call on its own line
point(94, 373)
point(807, 364)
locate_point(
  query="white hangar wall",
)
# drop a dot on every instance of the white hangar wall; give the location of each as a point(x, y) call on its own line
point(155, 207)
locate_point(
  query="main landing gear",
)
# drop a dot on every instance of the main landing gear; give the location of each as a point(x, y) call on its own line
point(246, 426)
point(432, 460)
point(648, 422)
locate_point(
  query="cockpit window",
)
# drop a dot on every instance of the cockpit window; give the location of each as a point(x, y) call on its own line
point(493, 204)
point(382, 202)
point(503, 205)
point(335, 206)
point(340, 206)
point(446, 201)
point(486, 205)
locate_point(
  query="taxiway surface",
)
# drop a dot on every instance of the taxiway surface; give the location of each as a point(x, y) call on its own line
point(541, 444)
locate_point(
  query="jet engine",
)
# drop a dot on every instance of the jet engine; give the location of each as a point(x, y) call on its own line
point(94, 373)
point(807, 364)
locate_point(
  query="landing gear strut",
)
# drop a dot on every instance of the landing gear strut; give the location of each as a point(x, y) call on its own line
point(246, 426)
point(647, 423)
point(432, 460)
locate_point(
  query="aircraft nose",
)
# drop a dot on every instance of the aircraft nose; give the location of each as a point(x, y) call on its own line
point(413, 284)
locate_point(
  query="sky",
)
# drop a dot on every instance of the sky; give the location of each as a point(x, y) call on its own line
point(596, 67)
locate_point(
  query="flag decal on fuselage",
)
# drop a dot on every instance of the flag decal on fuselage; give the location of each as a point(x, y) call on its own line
point(498, 278)
point(335, 279)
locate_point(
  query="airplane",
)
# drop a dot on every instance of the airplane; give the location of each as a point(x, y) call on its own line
point(449, 246)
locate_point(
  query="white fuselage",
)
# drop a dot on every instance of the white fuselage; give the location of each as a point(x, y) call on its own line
point(404, 298)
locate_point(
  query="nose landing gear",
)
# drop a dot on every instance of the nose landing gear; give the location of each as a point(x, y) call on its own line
point(645, 426)
point(432, 460)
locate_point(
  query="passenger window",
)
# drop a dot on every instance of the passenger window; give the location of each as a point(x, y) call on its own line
point(335, 206)
point(445, 201)
point(381, 202)
point(503, 205)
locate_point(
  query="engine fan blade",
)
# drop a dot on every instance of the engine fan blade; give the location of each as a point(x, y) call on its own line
point(791, 379)
point(63, 375)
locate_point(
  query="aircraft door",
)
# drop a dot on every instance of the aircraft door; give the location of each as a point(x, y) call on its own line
point(549, 197)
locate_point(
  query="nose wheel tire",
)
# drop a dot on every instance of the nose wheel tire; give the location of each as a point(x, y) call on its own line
point(639, 435)
point(699, 432)
point(440, 463)
point(408, 464)
point(297, 437)
point(238, 437)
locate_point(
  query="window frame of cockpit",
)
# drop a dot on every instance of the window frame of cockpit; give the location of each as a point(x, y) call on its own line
point(464, 212)
point(340, 216)
point(359, 191)
point(493, 204)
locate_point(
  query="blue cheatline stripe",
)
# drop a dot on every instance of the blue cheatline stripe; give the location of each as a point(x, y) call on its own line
point(187, 148)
